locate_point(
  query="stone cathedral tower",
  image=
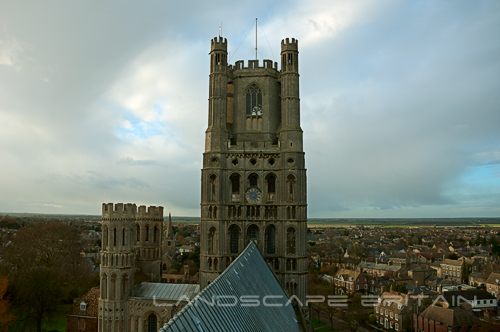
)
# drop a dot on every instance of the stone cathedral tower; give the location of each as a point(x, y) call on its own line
point(253, 184)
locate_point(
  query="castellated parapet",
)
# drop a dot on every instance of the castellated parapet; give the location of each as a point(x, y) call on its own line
point(121, 211)
point(286, 45)
point(254, 64)
point(219, 44)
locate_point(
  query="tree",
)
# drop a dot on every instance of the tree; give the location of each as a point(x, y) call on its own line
point(44, 266)
point(6, 318)
point(354, 314)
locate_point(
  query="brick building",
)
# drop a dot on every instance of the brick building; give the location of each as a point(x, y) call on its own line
point(82, 316)
point(439, 319)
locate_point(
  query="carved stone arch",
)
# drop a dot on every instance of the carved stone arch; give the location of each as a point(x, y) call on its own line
point(235, 183)
point(152, 319)
point(253, 180)
point(271, 180)
point(212, 188)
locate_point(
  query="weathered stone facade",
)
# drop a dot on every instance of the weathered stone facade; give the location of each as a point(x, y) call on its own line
point(253, 183)
point(131, 243)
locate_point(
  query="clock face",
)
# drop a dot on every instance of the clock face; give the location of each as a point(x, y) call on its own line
point(253, 195)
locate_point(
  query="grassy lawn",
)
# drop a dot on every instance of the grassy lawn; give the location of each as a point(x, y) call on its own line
point(58, 323)
point(316, 323)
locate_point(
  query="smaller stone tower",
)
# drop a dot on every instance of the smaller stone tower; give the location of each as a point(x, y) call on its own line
point(117, 265)
point(149, 230)
point(169, 240)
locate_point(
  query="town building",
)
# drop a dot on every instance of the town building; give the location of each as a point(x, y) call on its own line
point(349, 281)
point(394, 310)
point(440, 319)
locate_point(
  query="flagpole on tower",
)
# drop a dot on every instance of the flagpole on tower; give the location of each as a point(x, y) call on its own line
point(220, 29)
point(255, 38)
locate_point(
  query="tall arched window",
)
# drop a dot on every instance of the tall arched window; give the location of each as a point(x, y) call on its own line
point(290, 241)
point(271, 184)
point(211, 241)
point(212, 187)
point(155, 234)
point(114, 236)
point(253, 179)
point(235, 184)
point(234, 234)
point(254, 100)
point(123, 237)
point(152, 323)
point(270, 240)
point(138, 232)
point(253, 233)
point(164, 267)
point(146, 235)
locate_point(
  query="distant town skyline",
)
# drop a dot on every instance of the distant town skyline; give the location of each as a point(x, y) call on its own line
point(108, 103)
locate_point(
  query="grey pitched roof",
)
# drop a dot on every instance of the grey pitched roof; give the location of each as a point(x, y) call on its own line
point(454, 297)
point(162, 291)
point(248, 275)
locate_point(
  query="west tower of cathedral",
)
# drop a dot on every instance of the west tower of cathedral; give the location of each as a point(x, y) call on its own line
point(253, 183)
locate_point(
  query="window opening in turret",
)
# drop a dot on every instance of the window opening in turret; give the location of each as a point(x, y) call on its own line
point(254, 100)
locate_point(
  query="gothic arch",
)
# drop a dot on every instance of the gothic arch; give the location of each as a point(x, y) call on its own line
point(212, 188)
point(152, 322)
point(235, 180)
point(253, 99)
point(253, 233)
point(253, 180)
point(138, 232)
point(271, 240)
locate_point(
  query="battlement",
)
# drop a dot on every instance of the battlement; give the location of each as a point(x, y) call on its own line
point(254, 64)
point(152, 212)
point(130, 211)
point(286, 45)
point(119, 210)
point(218, 43)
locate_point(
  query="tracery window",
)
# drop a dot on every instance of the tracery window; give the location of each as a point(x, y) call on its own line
point(253, 232)
point(254, 100)
point(152, 323)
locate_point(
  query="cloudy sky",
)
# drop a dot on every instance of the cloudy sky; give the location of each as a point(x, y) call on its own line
point(107, 102)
